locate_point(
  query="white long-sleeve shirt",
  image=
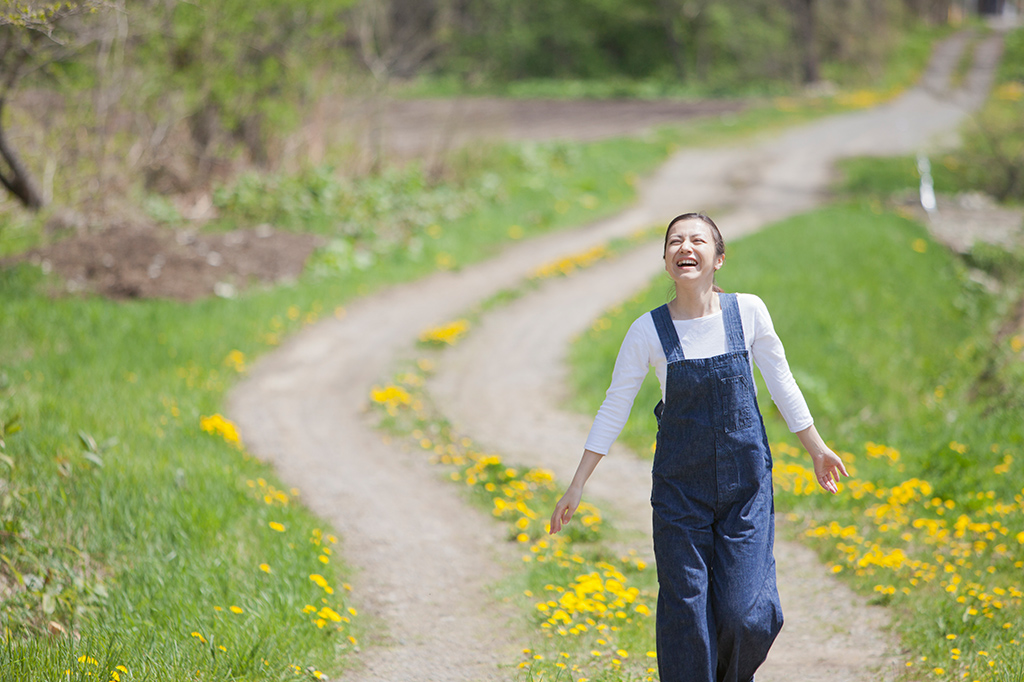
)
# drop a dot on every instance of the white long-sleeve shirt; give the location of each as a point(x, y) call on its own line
point(703, 337)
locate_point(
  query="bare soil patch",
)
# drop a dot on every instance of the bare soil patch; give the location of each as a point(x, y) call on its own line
point(421, 127)
point(137, 261)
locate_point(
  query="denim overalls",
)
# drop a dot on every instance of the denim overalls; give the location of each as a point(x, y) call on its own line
point(714, 513)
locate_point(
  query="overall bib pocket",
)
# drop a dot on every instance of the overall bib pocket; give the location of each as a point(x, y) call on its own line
point(736, 412)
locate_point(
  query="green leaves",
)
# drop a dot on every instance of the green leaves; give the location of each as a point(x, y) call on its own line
point(93, 450)
point(7, 428)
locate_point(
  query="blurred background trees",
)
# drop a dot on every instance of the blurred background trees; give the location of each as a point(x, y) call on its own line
point(98, 96)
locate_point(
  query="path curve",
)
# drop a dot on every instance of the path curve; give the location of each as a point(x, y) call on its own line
point(424, 559)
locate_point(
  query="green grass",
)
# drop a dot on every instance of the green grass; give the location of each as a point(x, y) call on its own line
point(141, 528)
point(891, 342)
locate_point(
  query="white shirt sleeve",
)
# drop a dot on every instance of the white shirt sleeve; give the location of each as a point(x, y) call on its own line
point(631, 367)
point(769, 355)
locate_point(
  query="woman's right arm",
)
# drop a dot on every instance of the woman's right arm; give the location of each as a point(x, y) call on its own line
point(566, 506)
point(630, 369)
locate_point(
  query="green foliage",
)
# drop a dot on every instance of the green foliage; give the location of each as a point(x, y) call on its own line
point(673, 46)
point(389, 208)
point(402, 214)
point(991, 158)
point(562, 38)
point(251, 63)
point(1011, 66)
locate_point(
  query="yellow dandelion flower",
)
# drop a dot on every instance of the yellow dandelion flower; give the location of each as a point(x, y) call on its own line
point(235, 360)
point(390, 396)
point(265, 568)
point(327, 613)
point(274, 525)
point(448, 334)
point(235, 609)
point(218, 425)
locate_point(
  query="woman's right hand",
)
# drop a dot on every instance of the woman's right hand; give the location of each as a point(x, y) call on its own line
point(565, 508)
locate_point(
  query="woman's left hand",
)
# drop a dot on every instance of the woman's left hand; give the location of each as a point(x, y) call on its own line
point(827, 468)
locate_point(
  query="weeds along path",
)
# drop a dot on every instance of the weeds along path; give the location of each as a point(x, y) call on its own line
point(425, 560)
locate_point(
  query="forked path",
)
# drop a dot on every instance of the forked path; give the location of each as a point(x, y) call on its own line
point(425, 560)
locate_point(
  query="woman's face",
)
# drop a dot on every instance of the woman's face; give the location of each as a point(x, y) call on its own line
point(690, 252)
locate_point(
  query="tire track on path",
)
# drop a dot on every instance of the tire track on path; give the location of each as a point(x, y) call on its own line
point(425, 560)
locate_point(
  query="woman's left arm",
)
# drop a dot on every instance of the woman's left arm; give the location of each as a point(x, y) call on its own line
point(827, 464)
point(770, 357)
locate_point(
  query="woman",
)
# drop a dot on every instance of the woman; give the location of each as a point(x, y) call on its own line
point(718, 606)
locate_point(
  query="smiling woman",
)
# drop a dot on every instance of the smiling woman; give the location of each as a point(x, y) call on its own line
point(696, 238)
point(718, 606)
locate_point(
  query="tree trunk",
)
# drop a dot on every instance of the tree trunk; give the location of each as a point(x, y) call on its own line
point(668, 18)
point(806, 34)
point(15, 177)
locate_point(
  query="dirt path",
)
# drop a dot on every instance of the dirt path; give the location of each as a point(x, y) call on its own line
point(425, 560)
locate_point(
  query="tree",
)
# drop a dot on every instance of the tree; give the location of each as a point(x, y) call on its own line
point(805, 23)
point(242, 67)
point(33, 36)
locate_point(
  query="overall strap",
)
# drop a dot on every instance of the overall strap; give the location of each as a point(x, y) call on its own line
point(733, 323)
point(667, 334)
